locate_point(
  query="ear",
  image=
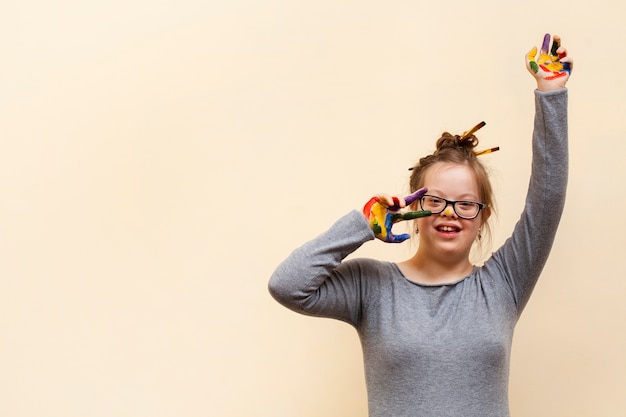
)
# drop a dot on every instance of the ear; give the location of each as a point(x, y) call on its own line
point(486, 214)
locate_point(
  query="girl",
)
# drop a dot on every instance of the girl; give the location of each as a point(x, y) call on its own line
point(435, 330)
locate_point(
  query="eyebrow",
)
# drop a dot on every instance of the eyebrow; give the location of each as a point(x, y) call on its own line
point(464, 197)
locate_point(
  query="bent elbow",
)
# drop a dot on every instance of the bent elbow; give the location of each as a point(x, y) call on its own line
point(278, 288)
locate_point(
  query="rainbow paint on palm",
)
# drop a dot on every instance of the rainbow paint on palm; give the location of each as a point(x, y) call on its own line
point(381, 218)
point(549, 59)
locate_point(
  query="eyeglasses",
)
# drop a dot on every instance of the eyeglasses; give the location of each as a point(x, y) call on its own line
point(464, 209)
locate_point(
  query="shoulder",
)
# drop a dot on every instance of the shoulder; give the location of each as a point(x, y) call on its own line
point(370, 273)
point(370, 267)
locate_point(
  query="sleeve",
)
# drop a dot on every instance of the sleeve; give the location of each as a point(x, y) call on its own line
point(310, 281)
point(522, 257)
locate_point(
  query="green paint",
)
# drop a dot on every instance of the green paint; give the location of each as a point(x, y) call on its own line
point(534, 66)
point(410, 215)
point(555, 46)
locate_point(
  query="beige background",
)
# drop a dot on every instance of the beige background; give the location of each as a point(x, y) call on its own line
point(159, 159)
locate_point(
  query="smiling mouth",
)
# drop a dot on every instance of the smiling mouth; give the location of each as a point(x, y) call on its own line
point(448, 229)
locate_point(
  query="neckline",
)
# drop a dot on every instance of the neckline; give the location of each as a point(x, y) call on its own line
point(432, 285)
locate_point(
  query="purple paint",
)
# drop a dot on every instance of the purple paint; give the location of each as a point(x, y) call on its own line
point(410, 199)
point(546, 43)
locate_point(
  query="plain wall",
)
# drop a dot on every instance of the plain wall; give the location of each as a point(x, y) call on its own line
point(159, 159)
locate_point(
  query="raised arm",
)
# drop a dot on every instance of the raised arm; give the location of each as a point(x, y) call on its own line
point(523, 256)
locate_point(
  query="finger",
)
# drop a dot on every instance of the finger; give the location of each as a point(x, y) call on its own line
point(397, 202)
point(568, 60)
point(565, 60)
point(546, 43)
point(389, 237)
point(386, 200)
point(399, 238)
point(531, 64)
point(410, 215)
point(567, 66)
point(556, 43)
point(410, 199)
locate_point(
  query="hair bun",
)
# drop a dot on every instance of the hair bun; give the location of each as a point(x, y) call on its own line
point(467, 141)
point(449, 141)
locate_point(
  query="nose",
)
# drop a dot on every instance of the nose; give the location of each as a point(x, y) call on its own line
point(448, 211)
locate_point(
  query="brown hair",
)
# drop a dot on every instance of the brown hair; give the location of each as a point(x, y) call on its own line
point(457, 150)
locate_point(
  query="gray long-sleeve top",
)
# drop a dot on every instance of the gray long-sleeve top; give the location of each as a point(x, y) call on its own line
point(437, 350)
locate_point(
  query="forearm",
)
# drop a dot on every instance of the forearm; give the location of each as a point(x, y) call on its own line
point(524, 255)
point(550, 148)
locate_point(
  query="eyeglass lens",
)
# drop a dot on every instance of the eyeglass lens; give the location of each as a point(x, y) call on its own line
point(464, 209)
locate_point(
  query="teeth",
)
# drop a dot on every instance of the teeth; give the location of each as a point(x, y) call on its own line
point(447, 229)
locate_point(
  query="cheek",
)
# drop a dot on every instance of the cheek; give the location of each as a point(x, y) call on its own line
point(474, 226)
point(422, 223)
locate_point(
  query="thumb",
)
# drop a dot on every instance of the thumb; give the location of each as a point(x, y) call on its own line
point(531, 63)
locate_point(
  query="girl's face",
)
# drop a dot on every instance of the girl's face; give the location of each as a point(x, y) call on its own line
point(445, 233)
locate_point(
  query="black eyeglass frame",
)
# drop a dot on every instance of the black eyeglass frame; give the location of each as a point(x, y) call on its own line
point(453, 204)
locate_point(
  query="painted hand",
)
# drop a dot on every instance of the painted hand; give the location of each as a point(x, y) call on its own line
point(552, 68)
point(382, 215)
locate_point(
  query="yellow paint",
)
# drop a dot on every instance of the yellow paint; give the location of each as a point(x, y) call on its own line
point(380, 212)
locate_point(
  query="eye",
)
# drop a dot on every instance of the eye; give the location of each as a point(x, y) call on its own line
point(434, 201)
